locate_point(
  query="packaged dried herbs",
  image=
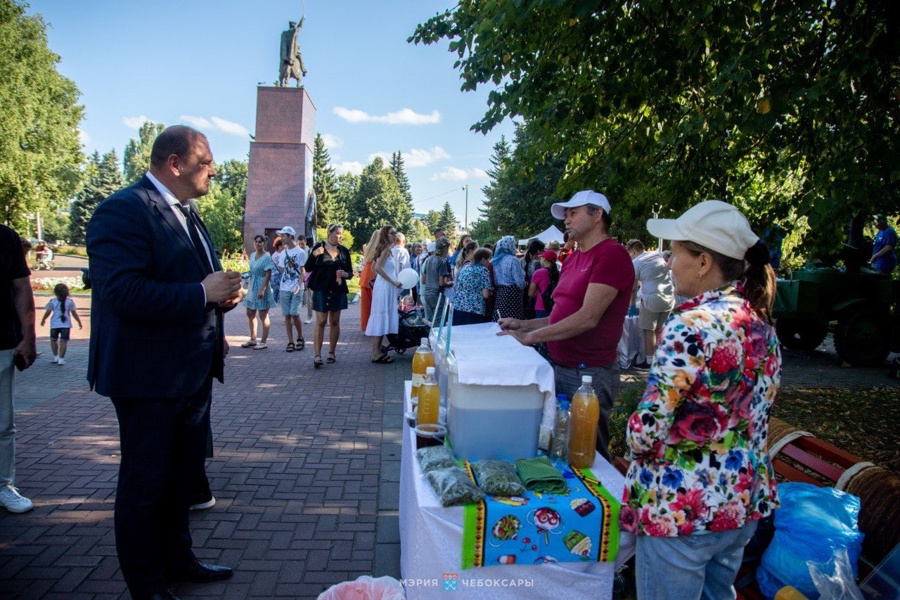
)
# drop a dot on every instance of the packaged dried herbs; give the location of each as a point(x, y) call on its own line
point(453, 487)
point(435, 457)
point(498, 478)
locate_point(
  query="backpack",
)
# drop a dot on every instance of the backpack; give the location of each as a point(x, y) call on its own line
point(547, 295)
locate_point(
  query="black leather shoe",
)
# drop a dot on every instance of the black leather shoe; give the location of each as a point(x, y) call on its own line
point(199, 572)
point(164, 595)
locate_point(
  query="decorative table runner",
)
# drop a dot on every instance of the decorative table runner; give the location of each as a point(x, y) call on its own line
point(581, 524)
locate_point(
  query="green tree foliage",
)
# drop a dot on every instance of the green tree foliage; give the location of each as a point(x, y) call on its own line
point(447, 221)
point(137, 151)
point(55, 224)
point(377, 201)
point(482, 231)
point(399, 172)
point(779, 107)
point(40, 153)
point(431, 221)
point(102, 179)
point(324, 184)
point(418, 231)
point(222, 209)
point(345, 190)
point(519, 195)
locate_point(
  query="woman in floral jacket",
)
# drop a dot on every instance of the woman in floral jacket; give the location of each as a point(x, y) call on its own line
point(701, 477)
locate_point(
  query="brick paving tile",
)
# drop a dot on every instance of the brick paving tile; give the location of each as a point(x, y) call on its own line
point(306, 472)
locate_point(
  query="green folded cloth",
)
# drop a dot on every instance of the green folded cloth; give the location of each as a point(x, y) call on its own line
point(539, 474)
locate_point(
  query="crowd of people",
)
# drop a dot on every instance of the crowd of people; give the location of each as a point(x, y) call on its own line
point(700, 476)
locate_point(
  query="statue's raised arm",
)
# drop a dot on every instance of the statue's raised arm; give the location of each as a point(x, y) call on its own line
point(291, 65)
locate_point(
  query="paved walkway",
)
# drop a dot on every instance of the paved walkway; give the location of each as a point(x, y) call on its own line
point(306, 471)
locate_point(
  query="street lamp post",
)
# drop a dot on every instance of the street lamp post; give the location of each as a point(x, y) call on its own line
point(466, 221)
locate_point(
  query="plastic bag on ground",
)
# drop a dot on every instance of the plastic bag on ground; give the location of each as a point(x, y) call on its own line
point(366, 588)
point(835, 580)
point(812, 525)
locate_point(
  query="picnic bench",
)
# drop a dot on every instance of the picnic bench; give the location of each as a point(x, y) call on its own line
point(799, 456)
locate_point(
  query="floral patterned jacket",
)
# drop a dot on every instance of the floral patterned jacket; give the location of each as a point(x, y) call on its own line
point(698, 438)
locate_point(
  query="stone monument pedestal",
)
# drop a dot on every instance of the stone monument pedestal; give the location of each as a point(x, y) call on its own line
point(280, 171)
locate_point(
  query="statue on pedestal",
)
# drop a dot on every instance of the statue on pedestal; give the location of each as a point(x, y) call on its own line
point(291, 60)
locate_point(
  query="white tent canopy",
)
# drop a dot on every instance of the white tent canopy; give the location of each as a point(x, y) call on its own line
point(546, 236)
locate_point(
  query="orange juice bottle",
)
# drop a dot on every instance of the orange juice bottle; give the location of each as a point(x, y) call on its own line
point(422, 359)
point(429, 400)
point(585, 412)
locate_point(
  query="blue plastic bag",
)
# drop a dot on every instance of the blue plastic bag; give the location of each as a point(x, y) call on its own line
point(812, 524)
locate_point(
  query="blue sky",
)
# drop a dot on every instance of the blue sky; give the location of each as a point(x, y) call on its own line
point(199, 62)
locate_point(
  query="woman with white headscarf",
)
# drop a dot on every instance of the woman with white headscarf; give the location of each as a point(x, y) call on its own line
point(509, 280)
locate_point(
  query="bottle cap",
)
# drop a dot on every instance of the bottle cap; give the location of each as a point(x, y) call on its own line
point(561, 397)
point(429, 370)
point(565, 404)
point(587, 379)
point(424, 342)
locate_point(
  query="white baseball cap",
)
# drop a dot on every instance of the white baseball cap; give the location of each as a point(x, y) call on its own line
point(713, 224)
point(288, 230)
point(583, 197)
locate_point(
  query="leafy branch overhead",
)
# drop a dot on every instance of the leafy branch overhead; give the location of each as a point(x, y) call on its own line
point(787, 109)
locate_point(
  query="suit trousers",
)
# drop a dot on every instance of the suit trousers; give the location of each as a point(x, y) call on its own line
point(163, 444)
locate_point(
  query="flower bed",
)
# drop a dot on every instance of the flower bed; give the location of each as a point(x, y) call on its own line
point(46, 284)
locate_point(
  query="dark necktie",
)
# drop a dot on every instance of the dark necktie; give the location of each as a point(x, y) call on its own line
point(195, 236)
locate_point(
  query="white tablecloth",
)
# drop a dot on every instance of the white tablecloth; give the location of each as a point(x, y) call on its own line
point(431, 547)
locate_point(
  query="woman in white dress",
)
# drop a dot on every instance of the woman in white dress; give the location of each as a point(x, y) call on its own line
point(384, 318)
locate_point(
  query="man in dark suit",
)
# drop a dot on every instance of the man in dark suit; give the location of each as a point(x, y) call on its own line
point(157, 341)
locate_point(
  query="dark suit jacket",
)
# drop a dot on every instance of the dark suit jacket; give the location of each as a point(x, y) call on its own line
point(151, 335)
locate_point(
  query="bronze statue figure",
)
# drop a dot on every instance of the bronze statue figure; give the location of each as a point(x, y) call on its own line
point(291, 60)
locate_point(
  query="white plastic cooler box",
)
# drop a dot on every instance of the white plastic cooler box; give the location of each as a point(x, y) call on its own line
point(496, 389)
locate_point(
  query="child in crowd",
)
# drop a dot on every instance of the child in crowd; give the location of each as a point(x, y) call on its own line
point(63, 310)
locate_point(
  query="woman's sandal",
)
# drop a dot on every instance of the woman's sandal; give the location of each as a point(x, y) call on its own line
point(301, 344)
point(330, 358)
point(290, 347)
point(384, 359)
point(317, 363)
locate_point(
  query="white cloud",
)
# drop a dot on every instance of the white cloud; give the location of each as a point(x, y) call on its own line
point(384, 156)
point(352, 167)
point(414, 158)
point(83, 137)
point(404, 116)
point(230, 127)
point(457, 174)
point(422, 158)
point(134, 122)
point(332, 141)
point(215, 124)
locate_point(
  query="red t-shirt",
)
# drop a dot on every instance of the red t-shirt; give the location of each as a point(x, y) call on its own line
point(608, 263)
point(541, 279)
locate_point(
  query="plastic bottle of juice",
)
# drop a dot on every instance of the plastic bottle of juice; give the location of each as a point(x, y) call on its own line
point(429, 400)
point(560, 446)
point(585, 414)
point(422, 359)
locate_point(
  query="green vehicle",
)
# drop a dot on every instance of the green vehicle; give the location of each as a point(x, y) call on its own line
point(863, 305)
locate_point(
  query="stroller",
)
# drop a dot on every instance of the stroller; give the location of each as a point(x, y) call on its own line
point(413, 327)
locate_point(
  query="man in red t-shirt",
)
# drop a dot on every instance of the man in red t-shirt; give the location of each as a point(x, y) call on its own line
point(590, 304)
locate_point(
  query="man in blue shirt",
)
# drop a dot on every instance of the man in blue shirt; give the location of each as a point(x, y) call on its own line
point(884, 257)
